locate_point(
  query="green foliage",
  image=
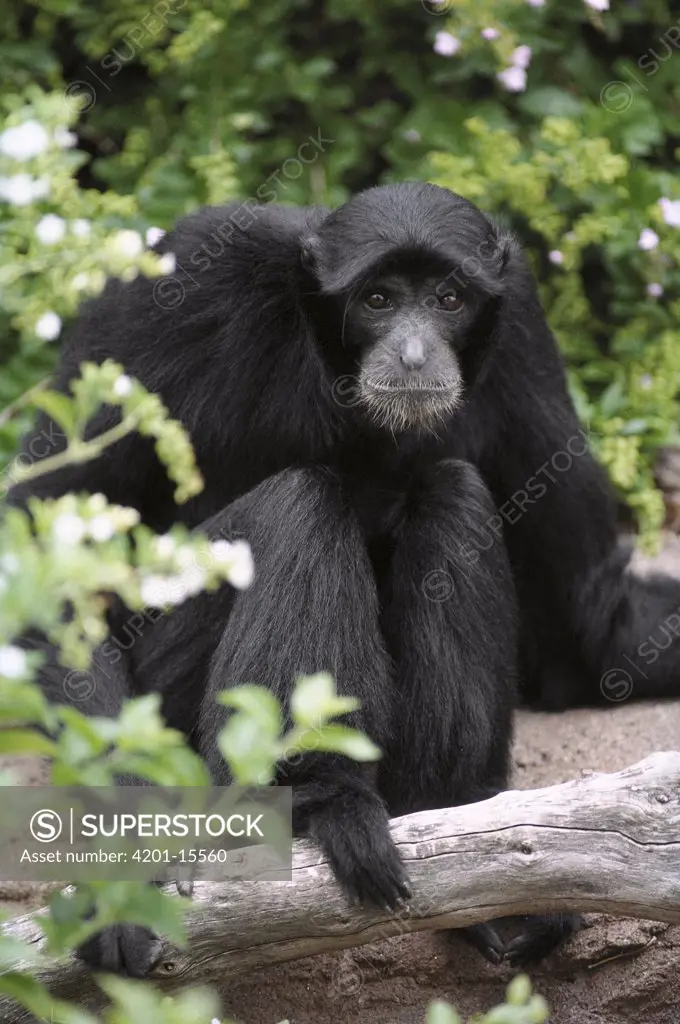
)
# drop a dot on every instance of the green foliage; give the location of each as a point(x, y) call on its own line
point(521, 1007)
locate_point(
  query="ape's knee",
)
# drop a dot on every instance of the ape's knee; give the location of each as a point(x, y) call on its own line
point(293, 499)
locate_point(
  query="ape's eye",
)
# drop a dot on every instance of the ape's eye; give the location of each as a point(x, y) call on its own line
point(451, 303)
point(378, 301)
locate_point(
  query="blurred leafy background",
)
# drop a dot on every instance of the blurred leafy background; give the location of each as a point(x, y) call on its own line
point(562, 119)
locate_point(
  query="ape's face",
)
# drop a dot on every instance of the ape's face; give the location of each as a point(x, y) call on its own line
point(406, 330)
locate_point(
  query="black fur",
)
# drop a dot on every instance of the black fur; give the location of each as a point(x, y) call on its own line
point(373, 510)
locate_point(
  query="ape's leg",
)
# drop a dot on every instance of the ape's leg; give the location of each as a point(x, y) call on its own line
point(451, 627)
point(450, 622)
point(314, 606)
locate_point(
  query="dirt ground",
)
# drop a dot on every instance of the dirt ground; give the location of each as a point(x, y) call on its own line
point(612, 972)
point(392, 982)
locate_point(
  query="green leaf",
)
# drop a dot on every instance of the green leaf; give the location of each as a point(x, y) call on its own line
point(519, 990)
point(315, 700)
point(439, 1012)
point(256, 702)
point(339, 739)
point(60, 408)
point(25, 741)
point(250, 754)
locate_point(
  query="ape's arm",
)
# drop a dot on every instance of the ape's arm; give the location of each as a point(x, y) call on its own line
point(582, 614)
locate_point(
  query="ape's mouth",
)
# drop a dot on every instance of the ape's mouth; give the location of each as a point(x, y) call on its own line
point(399, 403)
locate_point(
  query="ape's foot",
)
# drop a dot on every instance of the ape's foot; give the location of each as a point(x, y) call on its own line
point(485, 940)
point(540, 937)
point(123, 949)
point(354, 834)
point(370, 874)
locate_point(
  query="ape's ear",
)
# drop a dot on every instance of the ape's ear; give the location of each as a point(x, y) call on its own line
point(508, 252)
point(309, 254)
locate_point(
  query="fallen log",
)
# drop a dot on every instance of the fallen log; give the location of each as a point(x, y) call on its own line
point(605, 843)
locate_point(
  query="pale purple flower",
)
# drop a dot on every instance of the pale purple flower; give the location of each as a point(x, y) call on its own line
point(598, 5)
point(555, 256)
point(654, 290)
point(490, 33)
point(670, 210)
point(412, 135)
point(514, 79)
point(154, 235)
point(521, 57)
point(648, 240)
point(445, 44)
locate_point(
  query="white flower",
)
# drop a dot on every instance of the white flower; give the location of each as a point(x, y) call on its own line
point(81, 227)
point(22, 189)
point(654, 290)
point(154, 235)
point(64, 138)
point(445, 44)
point(168, 263)
point(157, 591)
point(646, 381)
point(12, 662)
point(242, 568)
point(490, 33)
point(412, 135)
point(128, 243)
point(69, 528)
point(221, 550)
point(514, 79)
point(237, 557)
point(96, 502)
point(555, 256)
point(48, 326)
point(598, 5)
point(50, 229)
point(536, 3)
point(671, 211)
point(122, 387)
point(101, 528)
point(165, 546)
point(521, 57)
point(25, 141)
point(81, 281)
point(192, 580)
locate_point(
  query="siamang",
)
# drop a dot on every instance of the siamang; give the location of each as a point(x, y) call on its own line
point(378, 406)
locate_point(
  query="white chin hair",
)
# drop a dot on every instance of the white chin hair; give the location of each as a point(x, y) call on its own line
point(407, 405)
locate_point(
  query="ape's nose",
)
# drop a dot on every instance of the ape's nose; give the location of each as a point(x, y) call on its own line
point(413, 354)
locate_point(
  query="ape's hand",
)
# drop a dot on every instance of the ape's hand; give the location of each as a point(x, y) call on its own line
point(353, 832)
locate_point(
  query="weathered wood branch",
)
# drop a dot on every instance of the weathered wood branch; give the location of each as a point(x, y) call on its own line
point(608, 843)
